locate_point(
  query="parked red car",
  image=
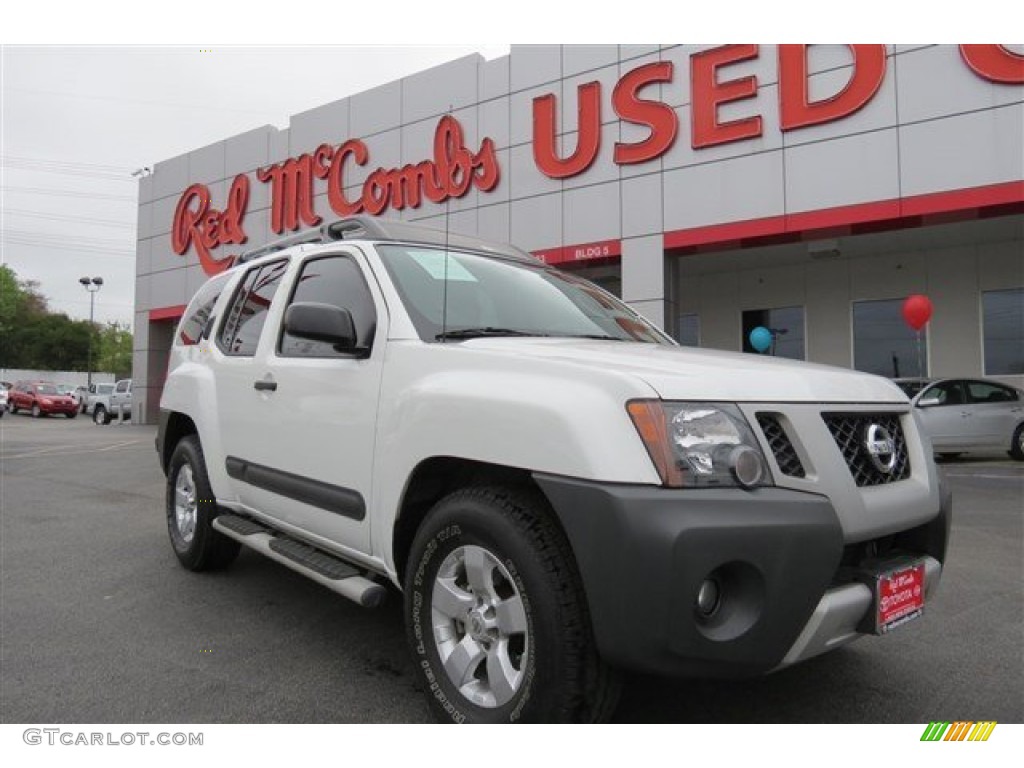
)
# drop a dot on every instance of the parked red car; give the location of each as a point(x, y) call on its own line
point(41, 398)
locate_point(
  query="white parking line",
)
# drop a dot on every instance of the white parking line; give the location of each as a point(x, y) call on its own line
point(63, 451)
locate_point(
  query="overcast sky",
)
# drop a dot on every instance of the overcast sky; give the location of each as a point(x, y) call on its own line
point(77, 121)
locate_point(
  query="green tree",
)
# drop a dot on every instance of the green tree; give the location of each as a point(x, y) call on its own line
point(33, 337)
point(115, 350)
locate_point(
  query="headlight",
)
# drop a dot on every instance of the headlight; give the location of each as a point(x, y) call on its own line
point(702, 445)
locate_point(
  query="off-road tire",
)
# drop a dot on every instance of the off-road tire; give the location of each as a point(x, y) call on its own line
point(198, 546)
point(561, 677)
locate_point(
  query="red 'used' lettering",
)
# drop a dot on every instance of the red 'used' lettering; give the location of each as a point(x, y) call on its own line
point(795, 108)
point(659, 117)
point(708, 92)
point(994, 62)
point(196, 223)
point(588, 140)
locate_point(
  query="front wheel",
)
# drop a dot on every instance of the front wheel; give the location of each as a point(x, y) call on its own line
point(191, 509)
point(496, 616)
point(71, 414)
point(36, 411)
point(1017, 446)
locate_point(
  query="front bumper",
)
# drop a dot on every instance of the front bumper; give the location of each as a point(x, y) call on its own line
point(643, 553)
point(57, 408)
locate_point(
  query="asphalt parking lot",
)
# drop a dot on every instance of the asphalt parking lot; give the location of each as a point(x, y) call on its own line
point(99, 624)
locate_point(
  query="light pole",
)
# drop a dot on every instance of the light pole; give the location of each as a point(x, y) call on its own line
point(92, 285)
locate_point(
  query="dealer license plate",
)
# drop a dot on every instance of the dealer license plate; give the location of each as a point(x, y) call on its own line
point(899, 597)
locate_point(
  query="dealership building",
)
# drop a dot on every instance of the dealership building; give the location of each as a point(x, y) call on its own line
point(809, 190)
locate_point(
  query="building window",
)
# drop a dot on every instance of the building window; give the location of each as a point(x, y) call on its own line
point(1003, 329)
point(884, 344)
point(688, 329)
point(787, 328)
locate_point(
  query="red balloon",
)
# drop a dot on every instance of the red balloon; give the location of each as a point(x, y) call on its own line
point(917, 311)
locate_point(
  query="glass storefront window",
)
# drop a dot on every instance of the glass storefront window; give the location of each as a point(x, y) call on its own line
point(884, 344)
point(787, 328)
point(688, 329)
point(1003, 329)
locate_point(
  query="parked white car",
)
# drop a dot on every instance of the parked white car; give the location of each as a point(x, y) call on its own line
point(558, 489)
point(968, 415)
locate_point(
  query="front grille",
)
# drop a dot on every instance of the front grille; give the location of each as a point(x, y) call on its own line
point(782, 447)
point(850, 431)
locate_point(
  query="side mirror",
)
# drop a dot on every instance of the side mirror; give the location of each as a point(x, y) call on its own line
point(928, 402)
point(321, 322)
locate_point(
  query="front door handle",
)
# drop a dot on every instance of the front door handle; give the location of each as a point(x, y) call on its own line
point(265, 386)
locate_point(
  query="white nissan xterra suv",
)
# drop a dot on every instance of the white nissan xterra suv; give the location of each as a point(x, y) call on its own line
point(558, 489)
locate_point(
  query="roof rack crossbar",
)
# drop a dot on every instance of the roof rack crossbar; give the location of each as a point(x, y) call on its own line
point(372, 228)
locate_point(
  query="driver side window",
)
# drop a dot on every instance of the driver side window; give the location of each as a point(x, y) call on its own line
point(947, 393)
point(335, 280)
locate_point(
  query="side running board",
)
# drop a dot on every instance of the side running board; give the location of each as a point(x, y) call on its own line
point(328, 570)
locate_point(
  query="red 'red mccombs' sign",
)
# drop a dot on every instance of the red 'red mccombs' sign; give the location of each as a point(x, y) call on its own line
point(454, 168)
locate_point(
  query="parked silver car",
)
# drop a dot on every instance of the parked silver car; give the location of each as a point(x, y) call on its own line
point(962, 415)
point(97, 394)
point(118, 404)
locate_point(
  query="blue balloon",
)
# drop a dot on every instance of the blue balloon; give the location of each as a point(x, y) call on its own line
point(761, 339)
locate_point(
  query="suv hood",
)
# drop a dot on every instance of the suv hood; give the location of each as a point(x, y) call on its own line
point(685, 373)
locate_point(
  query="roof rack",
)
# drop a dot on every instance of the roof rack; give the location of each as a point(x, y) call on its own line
point(370, 228)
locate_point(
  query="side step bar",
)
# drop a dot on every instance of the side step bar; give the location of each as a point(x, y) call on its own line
point(332, 572)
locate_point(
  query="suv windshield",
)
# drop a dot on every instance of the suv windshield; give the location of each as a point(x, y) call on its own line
point(488, 296)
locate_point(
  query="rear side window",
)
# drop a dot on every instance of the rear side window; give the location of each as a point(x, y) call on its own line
point(199, 316)
point(336, 280)
point(984, 392)
point(240, 334)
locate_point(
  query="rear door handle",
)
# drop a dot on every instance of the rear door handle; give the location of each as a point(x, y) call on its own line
point(265, 386)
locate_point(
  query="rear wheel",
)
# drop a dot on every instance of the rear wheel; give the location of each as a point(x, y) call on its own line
point(99, 415)
point(1017, 446)
point(496, 616)
point(191, 510)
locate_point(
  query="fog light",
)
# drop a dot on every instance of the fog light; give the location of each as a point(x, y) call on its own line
point(746, 466)
point(707, 597)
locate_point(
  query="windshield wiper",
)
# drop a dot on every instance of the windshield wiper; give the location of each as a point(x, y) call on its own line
point(475, 333)
point(598, 336)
